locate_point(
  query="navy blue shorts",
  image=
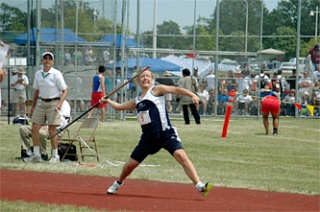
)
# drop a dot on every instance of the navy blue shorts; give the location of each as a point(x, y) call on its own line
point(152, 144)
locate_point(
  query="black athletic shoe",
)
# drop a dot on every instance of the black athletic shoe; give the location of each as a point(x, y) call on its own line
point(44, 156)
point(24, 154)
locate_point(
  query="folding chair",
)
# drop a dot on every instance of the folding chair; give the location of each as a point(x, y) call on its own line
point(85, 135)
point(28, 106)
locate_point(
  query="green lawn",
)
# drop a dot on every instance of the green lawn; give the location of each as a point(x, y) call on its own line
point(288, 162)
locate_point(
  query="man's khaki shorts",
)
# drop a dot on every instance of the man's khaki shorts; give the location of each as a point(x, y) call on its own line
point(46, 111)
point(19, 96)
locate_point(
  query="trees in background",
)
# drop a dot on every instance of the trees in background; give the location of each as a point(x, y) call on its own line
point(279, 26)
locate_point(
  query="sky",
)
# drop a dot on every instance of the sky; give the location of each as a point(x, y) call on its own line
point(179, 11)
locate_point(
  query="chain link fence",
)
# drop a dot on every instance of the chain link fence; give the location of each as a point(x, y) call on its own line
point(234, 56)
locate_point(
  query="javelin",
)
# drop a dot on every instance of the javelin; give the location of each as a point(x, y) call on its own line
point(105, 97)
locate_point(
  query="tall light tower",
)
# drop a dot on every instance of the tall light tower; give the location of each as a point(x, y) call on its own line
point(247, 16)
point(154, 54)
point(312, 13)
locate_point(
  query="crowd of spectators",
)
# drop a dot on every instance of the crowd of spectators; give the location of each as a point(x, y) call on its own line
point(247, 87)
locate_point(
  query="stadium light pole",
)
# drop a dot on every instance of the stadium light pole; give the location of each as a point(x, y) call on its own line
point(154, 55)
point(247, 16)
point(194, 33)
point(312, 13)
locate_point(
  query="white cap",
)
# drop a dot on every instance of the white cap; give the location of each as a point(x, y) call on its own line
point(48, 53)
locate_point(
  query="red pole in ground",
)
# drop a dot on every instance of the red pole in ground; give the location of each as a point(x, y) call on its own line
point(228, 114)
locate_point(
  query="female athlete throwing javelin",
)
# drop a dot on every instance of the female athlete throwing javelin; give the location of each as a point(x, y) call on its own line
point(270, 104)
point(157, 131)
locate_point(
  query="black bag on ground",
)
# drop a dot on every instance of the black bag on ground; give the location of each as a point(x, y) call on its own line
point(20, 120)
point(72, 153)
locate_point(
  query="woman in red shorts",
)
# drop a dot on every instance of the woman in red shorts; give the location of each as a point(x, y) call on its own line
point(270, 104)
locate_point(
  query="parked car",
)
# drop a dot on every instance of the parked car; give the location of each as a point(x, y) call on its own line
point(302, 62)
point(229, 62)
point(287, 67)
point(254, 67)
point(271, 65)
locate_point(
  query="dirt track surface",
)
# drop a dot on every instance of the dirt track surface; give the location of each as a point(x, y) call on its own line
point(142, 195)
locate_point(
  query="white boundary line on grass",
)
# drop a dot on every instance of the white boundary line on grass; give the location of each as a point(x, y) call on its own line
point(113, 164)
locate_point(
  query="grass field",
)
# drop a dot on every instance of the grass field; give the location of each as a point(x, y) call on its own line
point(288, 162)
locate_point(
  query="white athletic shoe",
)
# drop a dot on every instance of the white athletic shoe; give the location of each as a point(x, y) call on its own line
point(33, 159)
point(115, 186)
point(54, 159)
point(205, 188)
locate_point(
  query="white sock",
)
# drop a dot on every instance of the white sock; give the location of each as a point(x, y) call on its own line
point(29, 152)
point(200, 186)
point(36, 150)
point(54, 152)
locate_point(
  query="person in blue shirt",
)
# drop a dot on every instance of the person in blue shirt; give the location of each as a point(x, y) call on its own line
point(108, 82)
point(157, 131)
point(98, 92)
point(223, 100)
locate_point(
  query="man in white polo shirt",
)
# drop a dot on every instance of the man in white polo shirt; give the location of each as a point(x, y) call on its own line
point(50, 90)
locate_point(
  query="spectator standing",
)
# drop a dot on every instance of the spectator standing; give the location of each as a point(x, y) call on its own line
point(50, 90)
point(292, 80)
point(304, 85)
point(244, 82)
point(276, 87)
point(19, 82)
point(98, 92)
point(314, 54)
point(261, 79)
point(168, 96)
point(231, 82)
point(283, 84)
point(3, 74)
point(67, 58)
point(204, 98)
point(189, 83)
point(88, 56)
point(108, 82)
point(119, 80)
point(77, 55)
point(209, 80)
point(157, 131)
point(106, 57)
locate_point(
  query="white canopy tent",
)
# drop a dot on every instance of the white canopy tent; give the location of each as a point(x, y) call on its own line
point(269, 54)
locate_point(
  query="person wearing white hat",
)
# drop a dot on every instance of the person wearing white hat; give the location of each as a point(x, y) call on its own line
point(19, 82)
point(50, 91)
point(270, 104)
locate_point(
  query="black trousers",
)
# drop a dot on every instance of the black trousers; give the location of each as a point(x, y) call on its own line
point(194, 113)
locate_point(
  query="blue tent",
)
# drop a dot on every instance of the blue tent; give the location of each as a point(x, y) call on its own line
point(48, 35)
point(110, 39)
point(156, 65)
